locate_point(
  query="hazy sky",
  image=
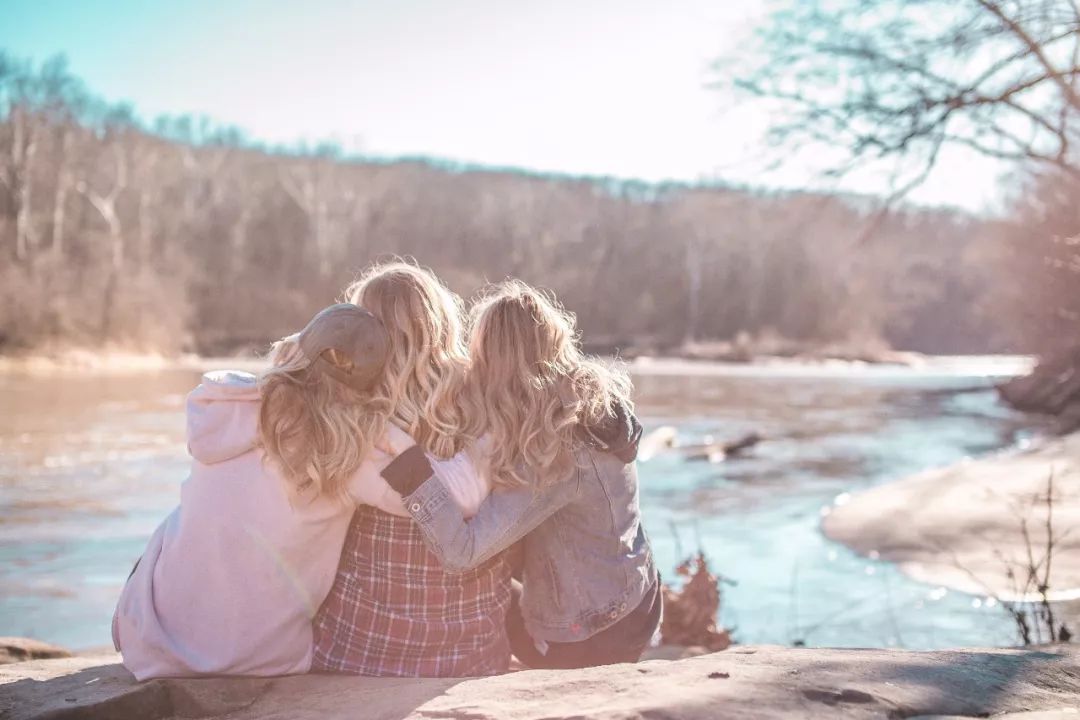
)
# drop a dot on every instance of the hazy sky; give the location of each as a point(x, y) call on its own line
point(612, 87)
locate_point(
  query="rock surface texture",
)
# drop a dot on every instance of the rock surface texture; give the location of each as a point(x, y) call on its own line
point(744, 682)
point(967, 525)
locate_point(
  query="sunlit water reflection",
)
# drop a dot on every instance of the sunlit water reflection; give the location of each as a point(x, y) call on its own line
point(90, 465)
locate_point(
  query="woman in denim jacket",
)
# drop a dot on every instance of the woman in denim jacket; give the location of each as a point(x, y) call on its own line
point(559, 441)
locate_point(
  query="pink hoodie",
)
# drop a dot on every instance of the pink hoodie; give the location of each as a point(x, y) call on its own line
point(230, 581)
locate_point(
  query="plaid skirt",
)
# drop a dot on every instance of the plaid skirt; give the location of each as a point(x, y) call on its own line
point(393, 610)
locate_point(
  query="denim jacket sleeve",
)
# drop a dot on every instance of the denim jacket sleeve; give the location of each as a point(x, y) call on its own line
point(505, 516)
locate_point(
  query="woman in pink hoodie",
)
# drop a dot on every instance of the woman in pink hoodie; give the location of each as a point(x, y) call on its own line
point(230, 581)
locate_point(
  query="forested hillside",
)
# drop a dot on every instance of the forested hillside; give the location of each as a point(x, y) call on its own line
point(178, 235)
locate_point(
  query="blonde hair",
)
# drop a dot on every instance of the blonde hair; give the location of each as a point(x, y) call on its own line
point(425, 370)
point(316, 430)
point(531, 386)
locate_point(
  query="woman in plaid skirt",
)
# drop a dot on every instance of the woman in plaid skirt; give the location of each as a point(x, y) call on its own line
point(393, 609)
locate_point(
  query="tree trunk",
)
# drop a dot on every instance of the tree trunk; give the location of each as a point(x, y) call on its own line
point(23, 152)
point(322, 236)
point(693, 282)
point(106, 207)
point(145, 235)
point(116, 269)
point(305, 190)
point(64, 181)
point(240, 304)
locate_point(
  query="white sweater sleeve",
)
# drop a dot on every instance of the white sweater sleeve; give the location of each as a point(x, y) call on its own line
point(465, 481)
point(367, 486)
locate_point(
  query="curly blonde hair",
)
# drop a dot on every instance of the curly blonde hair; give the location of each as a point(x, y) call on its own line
point(531, 386)
point(315, 430)
point(426, 367)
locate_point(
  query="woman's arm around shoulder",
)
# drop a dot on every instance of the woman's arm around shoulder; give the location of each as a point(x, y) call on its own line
point(506, 516)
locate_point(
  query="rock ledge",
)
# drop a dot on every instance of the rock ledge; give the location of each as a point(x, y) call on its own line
point(744, 682)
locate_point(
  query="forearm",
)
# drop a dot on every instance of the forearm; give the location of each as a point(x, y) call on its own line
point(503, 519)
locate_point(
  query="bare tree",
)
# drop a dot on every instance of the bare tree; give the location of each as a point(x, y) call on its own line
point(310, 183)
point(105, 203)
point(896, 81)
point(65, 181)
point(241, 243)
point(20, 175)
point(893, 83)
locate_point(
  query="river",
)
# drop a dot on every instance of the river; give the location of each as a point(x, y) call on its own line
point(90, 464)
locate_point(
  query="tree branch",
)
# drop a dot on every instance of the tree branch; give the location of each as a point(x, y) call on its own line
point(1035, 49)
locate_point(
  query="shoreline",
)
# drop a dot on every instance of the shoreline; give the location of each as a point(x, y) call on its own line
point(108, 362)
point(119, 362)
point(963, 526)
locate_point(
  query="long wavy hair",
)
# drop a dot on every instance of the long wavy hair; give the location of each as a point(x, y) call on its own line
point(531, 386)
point(315, 430)
point(425, 371)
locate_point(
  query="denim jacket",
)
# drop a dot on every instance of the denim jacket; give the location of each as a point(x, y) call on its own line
point(587, 558)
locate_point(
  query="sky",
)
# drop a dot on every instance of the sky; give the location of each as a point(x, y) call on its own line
point(593, 87)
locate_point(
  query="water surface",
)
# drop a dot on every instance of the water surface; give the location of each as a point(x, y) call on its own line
point(90, 465)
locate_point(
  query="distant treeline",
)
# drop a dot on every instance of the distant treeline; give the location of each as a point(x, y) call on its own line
point(184, 236)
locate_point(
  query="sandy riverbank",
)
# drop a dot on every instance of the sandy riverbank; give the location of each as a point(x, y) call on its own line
point(105, 363)
point(122, 362)
point(745, 682)
point(962, 526)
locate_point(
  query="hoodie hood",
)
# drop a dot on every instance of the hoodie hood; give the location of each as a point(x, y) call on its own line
point(619, 433)
point(223, 416)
